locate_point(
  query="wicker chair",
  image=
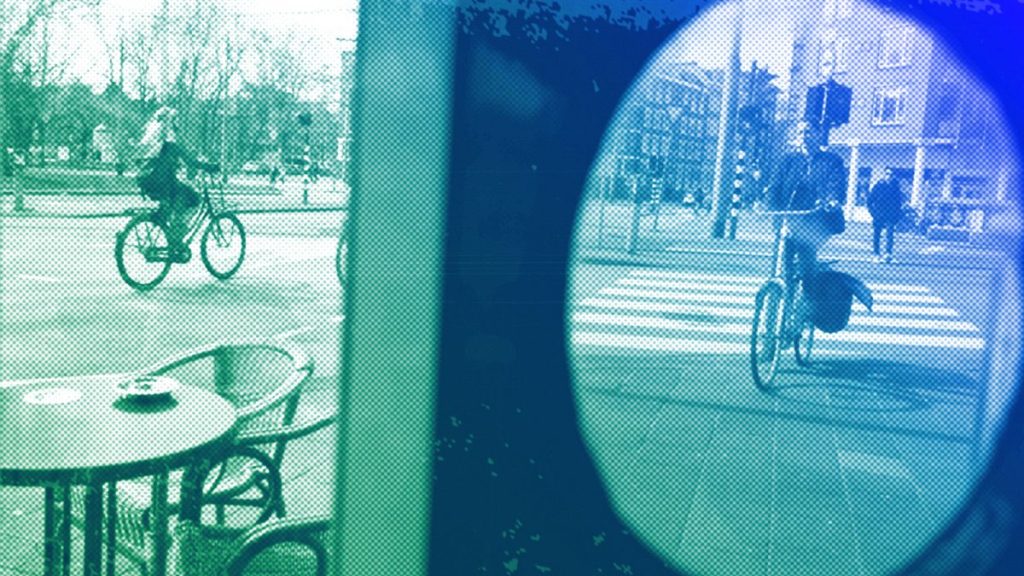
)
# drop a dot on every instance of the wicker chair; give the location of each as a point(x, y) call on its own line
point(280, 547)
point(264, 382)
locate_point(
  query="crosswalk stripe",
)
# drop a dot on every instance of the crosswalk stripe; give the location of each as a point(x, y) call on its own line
point(747, 311)
point(672, 311)
point(688, 288)
point(757, 280)
point(656, 343)
point(855, 321)
point(688, 291)
point(732, 347)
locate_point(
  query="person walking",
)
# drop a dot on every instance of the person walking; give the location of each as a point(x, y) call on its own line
point(885, 203)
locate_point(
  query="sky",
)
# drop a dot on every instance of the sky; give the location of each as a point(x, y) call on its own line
point(767, 37)
point(82, 39)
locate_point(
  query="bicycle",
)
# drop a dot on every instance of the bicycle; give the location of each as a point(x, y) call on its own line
point(781, 314)
point(144, 250)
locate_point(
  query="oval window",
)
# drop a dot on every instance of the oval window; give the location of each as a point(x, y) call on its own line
point(794, 296)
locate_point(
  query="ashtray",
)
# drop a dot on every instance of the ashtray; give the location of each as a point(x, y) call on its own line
point(148, 387)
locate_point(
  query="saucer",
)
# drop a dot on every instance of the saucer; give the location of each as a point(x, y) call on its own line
point(148, 387)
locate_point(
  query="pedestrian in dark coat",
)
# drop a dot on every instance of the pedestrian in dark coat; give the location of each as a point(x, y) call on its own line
point(885, 203)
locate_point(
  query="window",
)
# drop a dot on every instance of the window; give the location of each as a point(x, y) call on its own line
point(895, 47)
point(834, 54)
point(889, 107)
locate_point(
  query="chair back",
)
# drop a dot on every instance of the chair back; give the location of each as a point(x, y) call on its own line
point(262, 380)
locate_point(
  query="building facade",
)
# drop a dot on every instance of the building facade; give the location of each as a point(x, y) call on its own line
point(665, 132)
point(668, 132)
point(914, 110)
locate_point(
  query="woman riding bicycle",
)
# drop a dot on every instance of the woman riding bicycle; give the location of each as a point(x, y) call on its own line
point(161, 156)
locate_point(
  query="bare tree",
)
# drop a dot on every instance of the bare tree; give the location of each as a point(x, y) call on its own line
point(20, 22)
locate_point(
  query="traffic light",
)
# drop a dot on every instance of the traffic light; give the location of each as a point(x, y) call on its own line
point(828, 104)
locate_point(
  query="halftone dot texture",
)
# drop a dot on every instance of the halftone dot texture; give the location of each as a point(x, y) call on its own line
point(853, 464)
point(79, 80)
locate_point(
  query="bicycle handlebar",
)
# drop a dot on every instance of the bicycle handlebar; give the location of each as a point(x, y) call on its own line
point(208, 167)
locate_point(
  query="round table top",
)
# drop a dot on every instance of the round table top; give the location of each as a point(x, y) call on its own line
point(84, 431)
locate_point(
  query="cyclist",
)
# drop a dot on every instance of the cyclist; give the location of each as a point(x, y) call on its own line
point(807, 178)
point(161, 157)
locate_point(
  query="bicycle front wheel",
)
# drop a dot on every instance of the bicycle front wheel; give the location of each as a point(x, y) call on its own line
point(340, 260)
point(142, 252)
point(766, 334)
point(223, 245)
point(803, 340)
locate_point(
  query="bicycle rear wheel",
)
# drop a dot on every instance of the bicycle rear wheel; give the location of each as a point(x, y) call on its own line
point(223, 245)
point(142, 252)
point(341, 259)
point(766, 334)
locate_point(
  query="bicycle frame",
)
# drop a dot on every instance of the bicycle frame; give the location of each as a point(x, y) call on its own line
point(204, 211)
point(776, 303)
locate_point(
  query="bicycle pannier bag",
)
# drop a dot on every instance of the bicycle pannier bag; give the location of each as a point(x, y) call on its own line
point(831, 301)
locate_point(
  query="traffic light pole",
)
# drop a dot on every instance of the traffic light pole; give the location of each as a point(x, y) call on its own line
point(721, 187)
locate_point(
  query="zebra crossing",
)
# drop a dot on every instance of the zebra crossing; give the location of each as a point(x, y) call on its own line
point(708, 313)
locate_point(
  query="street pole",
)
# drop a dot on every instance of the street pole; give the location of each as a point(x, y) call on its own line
point(602, 196)
point(721, 186)
point(634, 227)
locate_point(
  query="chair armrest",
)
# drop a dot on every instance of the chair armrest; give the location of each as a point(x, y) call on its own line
point(276, 434)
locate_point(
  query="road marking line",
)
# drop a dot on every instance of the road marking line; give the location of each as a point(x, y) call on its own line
point(718, 346)
point(659, 323)
point(674, 324)
point(35, 278)
point(296, 332)
point(668, 274)
point(758, 280)
point(907, 310)
point(655, 343)
point(691, 292)
point(746, 312)
point(696, 286)
point(685, 295)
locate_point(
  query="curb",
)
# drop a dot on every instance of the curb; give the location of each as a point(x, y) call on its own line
point(30, 213)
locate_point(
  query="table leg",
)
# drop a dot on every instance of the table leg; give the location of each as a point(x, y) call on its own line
point(111, 527)
point(159, 524)
point(93, 531)
point(65, 530)
point(51, 543)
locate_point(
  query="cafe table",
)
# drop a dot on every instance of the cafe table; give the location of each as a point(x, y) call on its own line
point(58, 433)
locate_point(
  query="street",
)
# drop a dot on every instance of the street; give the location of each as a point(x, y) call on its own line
point(846, 467)
point(66, 310)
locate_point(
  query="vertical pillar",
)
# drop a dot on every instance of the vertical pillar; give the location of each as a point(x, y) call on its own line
point(851, 179)
point(915, 189)
point(1002, 183)
point(721, 189)
point(947, 184)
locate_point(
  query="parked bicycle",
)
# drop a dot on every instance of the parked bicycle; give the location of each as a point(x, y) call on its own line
point(144, 249)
